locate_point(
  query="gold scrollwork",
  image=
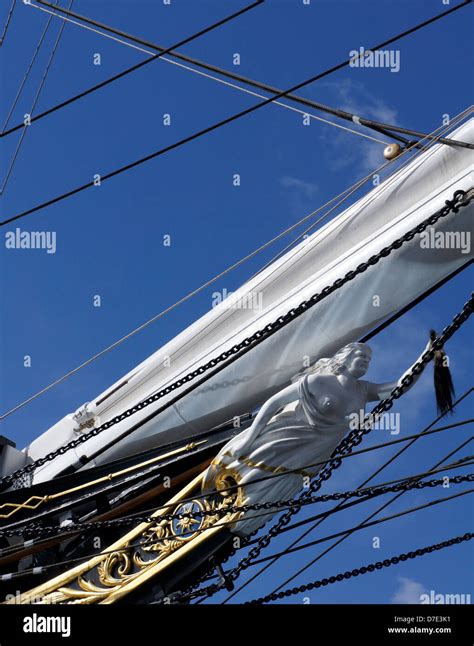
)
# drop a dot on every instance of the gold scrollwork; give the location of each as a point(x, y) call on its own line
point(146, 550)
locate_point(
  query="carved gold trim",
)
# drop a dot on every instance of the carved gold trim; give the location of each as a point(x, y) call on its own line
point(127, 564)
point(259, 465)
point(39, 500)
point(110, 476)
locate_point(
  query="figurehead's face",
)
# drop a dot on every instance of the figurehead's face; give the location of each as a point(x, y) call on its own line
point(359, 362)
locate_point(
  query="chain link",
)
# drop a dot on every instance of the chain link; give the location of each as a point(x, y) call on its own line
point(37, 530)
point(460, 199)
point(374, 491)
point(353, 439)
point(348, 574)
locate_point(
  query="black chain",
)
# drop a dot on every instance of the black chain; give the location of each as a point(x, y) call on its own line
point(188, 594)
point(37, 530)
point(460, 199)
point(378, 565)
point(353, 439)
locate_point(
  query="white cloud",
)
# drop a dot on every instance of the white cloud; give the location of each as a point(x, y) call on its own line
point(409, 591)
point(307, 189)
point(348, 150)
point(354, 97)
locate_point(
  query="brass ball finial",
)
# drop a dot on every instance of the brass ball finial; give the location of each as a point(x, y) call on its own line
point(392, 151)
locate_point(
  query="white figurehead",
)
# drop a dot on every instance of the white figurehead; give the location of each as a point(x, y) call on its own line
point(300, 425)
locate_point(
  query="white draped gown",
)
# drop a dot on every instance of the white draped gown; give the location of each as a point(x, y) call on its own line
point(291, 440)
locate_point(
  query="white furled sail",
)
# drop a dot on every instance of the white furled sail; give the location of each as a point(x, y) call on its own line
point(398, 204)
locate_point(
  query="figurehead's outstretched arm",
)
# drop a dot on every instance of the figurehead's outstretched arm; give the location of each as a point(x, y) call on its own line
point(377, 392)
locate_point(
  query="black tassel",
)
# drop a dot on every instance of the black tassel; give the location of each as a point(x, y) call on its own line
point(443, 383)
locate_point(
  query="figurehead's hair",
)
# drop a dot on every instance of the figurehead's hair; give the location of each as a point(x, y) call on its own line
point(335, 365)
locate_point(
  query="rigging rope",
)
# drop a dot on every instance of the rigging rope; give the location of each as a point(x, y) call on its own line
point(462, 463)
point(7, 23)
point(14, 552)
point(458, 448)
point(209, 129)
point(378, 565)
point(27, 73)
point(117, 76)
point(460, 199)
point(189, 595)
point(385, 129)
point(343, 195)
point(352, 439)
point(245, 346)
point(405, 483)
point(209, 76)
point(451, 539)
point(347, 192)
point(365, 482)
point(34, 502)
point(33, 106)
point(356, 528)
point(400, 484)
point(375, 491)
point(386, 184)
point(209, 590)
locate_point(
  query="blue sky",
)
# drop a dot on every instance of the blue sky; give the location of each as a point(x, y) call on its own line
point(109, 238)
